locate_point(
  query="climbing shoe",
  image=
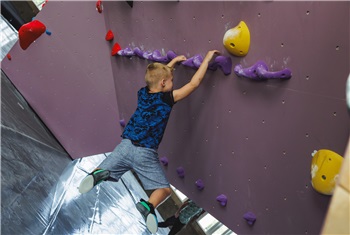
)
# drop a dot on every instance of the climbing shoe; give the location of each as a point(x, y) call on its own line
point(94, 178)
point(147, 211)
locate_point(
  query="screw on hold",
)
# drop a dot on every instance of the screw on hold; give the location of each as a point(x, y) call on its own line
point(180, 172)
point(200, 184)
point(250, 217)
point(122, 122)
point(109, 35)
point(99, 6)
point(259, 71)
point(164, 161)
point(222, 62)
point(222, 198)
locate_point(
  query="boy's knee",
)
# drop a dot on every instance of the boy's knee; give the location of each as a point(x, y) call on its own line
point(167, 191)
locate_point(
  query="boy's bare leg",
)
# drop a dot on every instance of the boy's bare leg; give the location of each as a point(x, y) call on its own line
point(147, 208)
point(158, 196)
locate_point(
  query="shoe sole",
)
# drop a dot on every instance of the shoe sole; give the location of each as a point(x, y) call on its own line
point(152, 223)
point(86, 184)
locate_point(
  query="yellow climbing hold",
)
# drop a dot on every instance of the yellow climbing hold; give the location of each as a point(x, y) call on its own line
point(325, 167)
point(237, 39)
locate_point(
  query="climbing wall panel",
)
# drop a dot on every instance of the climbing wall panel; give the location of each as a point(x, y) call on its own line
point(66, 78)
point(251, 141)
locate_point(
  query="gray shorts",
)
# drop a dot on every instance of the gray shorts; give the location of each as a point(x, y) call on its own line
point(144, 161)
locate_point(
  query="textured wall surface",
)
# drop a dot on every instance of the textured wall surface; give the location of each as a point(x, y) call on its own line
point(251, 141)
point(66, 78)
point(248, 140)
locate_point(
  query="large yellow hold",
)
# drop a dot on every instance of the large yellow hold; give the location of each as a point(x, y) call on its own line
point(325, 168)
point(237, 39)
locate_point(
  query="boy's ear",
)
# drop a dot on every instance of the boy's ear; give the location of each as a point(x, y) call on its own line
point(163, 82)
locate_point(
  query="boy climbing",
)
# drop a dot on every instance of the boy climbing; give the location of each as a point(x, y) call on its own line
point(143, 134)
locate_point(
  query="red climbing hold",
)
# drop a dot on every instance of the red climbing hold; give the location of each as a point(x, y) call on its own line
point(99, 6)
point(116, 48)
point(8, 56)
point(44, 3)
point(109, 35)
point(29, 32)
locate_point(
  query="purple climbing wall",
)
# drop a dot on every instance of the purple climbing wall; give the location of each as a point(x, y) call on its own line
point(251, 141)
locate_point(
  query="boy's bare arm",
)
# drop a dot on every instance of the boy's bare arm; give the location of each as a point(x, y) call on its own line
point(177, 59)
point(196, 80)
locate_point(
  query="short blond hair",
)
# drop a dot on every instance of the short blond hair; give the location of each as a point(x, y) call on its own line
point(155, 72)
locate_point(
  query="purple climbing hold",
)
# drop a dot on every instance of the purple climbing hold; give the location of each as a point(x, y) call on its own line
point(157, 56)
point(250, 217)
point(138, 52)
point(259, 71)
point(225, 63)
point(222, 199)
point(164, 161)
point(200, 184)
point(147, 55)
point(250, 72)
point(189, 63)
point(122, 122)
point(171, 55)
point(222, 62)
point(126, 52)
point(213, 65)
point(197, 60)
point(180, 172)
point(264, 74)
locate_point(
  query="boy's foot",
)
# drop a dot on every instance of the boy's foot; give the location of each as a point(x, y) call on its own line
point(147, 211)
point(162, 225)
point(94, 178)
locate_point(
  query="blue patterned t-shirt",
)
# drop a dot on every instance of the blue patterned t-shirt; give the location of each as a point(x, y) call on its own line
point(147, 125)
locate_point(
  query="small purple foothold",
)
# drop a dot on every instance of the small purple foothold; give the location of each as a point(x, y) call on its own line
point(222, 199)
point(171, 55)
point(250, 217)
point(164, 161)
point(180, 172)
point(122, 122)
point(200, 184)
point(138, 52)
